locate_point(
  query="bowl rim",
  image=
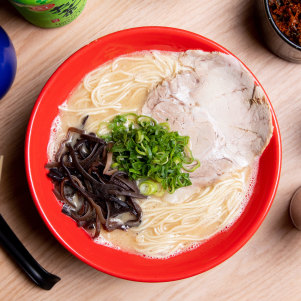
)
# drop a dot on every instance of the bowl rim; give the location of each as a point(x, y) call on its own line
point(226, 255)
point(275, 27)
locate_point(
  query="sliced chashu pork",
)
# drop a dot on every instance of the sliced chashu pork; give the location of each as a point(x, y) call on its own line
point(220, 107)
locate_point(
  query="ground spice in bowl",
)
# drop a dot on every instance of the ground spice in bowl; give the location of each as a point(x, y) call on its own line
point(287, 16)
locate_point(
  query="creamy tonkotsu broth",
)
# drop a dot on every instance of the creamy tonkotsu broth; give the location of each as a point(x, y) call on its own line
point(116, 87)
point(173, 222)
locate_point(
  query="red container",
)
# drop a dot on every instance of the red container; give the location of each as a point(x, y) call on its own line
point(76, 240)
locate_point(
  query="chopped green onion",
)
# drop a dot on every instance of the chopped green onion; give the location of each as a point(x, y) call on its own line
point(144, 120)
point(103, 129)
point(149, 151)
point(148, 187)
point(131, 118)
point(139, 136)
point(192, 169)
point(165, 125)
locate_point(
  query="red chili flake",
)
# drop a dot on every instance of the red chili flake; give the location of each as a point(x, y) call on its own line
point(55, 20)
point(287, 16)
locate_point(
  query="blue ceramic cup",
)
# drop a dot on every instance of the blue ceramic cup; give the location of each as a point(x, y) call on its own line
point(8, 63)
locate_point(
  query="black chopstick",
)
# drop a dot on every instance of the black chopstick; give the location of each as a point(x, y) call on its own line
point(19, 253)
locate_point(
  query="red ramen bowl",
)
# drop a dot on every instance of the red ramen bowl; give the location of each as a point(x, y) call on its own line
point(76, 240)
